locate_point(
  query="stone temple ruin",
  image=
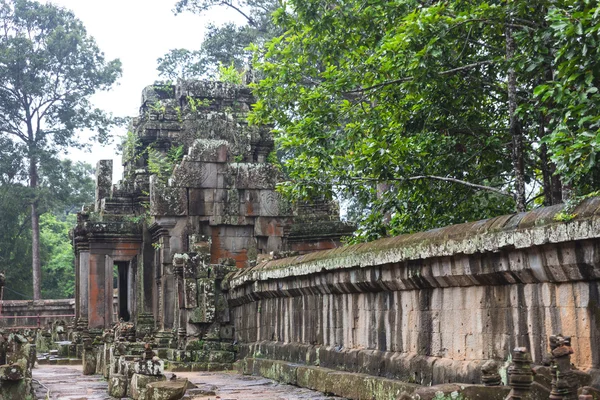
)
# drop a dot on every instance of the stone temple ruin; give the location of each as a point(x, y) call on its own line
point(153, 250)
point(203, 267)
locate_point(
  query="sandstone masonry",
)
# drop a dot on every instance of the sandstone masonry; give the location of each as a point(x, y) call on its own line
point(432, 307)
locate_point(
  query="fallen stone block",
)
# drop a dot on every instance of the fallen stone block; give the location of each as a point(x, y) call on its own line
point(117, 385)
point(168, 390)
point(139, 384)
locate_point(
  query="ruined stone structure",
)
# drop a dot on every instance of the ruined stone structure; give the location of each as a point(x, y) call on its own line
point(29, 313)
point(432, 307)
point(17, 356)
point(181, 266)
point(197, 201)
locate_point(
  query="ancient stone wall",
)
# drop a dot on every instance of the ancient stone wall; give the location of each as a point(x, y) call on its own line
point(15, 313)
point(431, 307)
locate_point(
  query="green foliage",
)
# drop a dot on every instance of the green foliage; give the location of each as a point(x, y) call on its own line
point(572, 99)
point(162, 165)
point(402, 108)
point(158, 107)
point(225, 44)
point(130, 145)
point(49, 69)
point(567, 213)
point(196, 104)
point(58, 277)
point(230, 74)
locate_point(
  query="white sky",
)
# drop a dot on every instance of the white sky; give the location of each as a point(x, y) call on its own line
point(137, 32)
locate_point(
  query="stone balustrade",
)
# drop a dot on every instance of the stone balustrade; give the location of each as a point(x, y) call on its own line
point(431, 307)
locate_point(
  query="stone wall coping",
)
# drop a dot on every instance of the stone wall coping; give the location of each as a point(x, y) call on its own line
point(513, 231)
point(29, 303)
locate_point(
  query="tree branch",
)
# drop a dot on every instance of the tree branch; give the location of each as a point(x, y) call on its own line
point(248, 18)
point(423, 177)
point(410, 78)
point(460, 181)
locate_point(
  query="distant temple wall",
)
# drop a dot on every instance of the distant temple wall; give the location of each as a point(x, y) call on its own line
point(24, 313)
point(430, 307)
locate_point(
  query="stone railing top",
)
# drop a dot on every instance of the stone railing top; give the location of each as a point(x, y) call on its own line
point(514, 231)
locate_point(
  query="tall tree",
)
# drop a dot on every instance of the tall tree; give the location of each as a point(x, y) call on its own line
point(49, 67)
point(225, 44)
point(431, 113)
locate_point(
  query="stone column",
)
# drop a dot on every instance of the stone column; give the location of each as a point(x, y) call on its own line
point(109, 311)
point(520, 375)
point(564, 383)
point(83, 272)
point(178, 265)
point(144, 281)
point(97, 291)
point(490, 375)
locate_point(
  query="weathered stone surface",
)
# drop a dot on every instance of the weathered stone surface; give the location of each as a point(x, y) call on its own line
point(343, 384)
point(168, 390)
point(117, 385)
point(139, 383)
point(431, 307)
point(89, 361)
point(13, 372)
point(16, 389)
point(149, 367)
point(103, 181)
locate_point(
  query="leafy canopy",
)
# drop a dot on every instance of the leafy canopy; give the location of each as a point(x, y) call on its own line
point(49, 68)
point(404, 107)
point(223, 44)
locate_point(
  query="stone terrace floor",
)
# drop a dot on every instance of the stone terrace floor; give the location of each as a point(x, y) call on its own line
point(68, 383)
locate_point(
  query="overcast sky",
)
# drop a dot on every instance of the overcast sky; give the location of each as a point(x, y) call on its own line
point(137, 32)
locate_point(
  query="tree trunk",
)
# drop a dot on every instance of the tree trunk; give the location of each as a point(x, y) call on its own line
point(35, 231)
point(514, 127)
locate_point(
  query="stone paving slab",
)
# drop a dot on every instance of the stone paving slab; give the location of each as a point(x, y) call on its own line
point(67, 382)
point(232, 386)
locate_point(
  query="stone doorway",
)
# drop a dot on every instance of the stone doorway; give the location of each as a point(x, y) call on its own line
point(123, 290)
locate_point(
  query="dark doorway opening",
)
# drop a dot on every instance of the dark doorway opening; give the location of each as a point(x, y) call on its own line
point(121, 286)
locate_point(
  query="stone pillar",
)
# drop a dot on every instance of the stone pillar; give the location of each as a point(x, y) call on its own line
point(144, 287)
point(82, 299)
point(489, 374)
point(520, 375)
point(103, 181)
point(169, 296)
point(564, 383)
point(97, 291)
point(178, 265)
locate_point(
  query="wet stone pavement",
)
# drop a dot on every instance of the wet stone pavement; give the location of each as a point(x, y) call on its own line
point(68, 383)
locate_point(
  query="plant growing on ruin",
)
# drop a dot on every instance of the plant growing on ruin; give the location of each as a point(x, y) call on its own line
point(230, 74)
point(49, 67)
point(162, 165)
point(196, 104)
point(158, 107)
point(129, 146)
